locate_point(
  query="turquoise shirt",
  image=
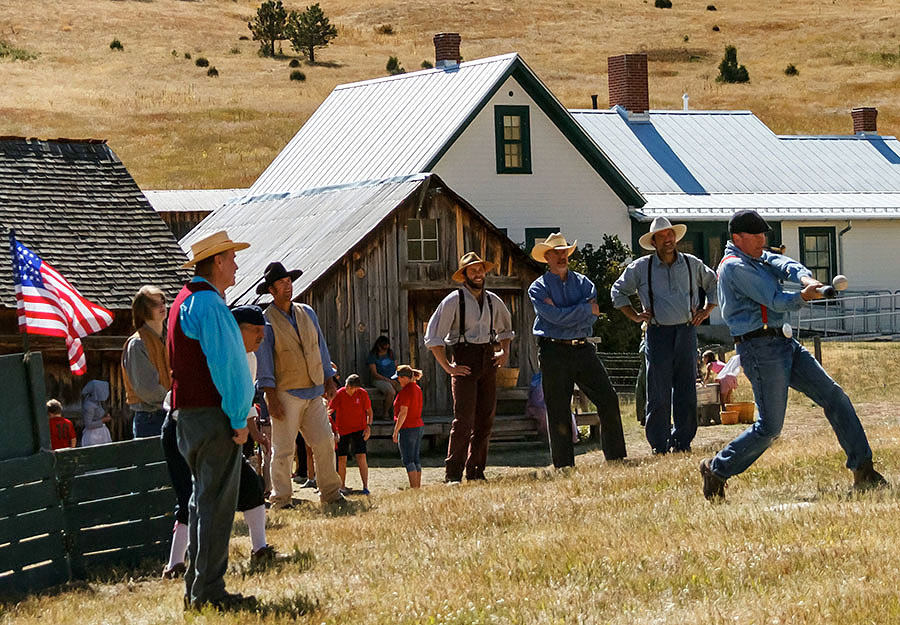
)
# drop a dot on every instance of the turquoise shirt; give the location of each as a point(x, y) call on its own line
point(205, 317)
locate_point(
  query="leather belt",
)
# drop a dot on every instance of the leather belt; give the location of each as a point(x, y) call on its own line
point(565, 341)
point(758, 333)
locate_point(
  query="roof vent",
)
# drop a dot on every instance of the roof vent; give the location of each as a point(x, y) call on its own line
point(864, 120)
point(446, 49)
point(628, 82)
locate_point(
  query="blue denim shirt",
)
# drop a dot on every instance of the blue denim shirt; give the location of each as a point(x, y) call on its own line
point(570, 317)
point(205, 318)
point(745, 283)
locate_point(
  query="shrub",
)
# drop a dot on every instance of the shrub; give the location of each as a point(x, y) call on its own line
point(243, 38)
point(187, 55)
point(385, 29)
point(663, 4)
point(294, 63)
point(393, 66)
point(791, 70)
point(16, 54)
point(710, 7)
point(715, 28)
point(235, 50)
point(686, 38)
point(213, 72)
point(426, 64)
point(201, 62)
point(729, 70)
point(174, 53)
point(298, 75)
point(115, 44)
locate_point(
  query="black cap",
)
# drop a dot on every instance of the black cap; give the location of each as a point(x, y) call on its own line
point(747, 221)
point(249, 314)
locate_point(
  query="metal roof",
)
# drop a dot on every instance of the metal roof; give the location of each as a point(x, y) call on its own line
point(310, 230)
point(778, 206)
point(698, 154)
point(189, 200)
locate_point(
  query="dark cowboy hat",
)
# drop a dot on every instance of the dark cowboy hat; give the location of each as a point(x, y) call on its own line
point(274, 272)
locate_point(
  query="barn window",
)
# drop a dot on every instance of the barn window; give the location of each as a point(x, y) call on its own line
point(422, 240)
point(817, 252)
point(513, 139)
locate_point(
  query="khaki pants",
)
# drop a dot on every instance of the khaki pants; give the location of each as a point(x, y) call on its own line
point(311, 419)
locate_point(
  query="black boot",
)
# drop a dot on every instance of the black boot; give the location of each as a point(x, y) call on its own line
point(865, 477)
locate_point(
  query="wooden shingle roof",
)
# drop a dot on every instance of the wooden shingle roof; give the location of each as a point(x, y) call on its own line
point(76, 206)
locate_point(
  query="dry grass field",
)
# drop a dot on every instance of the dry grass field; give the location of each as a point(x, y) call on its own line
point(174, 127)
point(626, 544)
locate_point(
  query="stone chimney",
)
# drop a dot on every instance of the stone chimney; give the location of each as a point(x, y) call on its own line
point(446, 49)
point(864, 120)
point(628, 82)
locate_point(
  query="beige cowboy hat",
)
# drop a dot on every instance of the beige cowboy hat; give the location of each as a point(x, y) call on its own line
point(468, 259)
point(555, 241)
point(658, 225)
point(212, 245)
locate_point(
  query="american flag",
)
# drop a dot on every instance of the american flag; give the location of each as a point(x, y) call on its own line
point(47, 304)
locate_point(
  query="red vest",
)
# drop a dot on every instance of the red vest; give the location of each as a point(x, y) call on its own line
point(192, 385)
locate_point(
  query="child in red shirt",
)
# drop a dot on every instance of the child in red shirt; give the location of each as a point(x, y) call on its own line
point(352, 411)
point(62, 432)
point(409, 426)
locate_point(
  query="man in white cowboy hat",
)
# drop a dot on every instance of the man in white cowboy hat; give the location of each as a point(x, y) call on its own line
point(565, 303)
point(669, 285)
point(473, 320)
point(211, 397)
point(294, 371)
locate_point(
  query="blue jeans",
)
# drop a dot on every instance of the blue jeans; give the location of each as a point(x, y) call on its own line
point(410, 441)
point(147, 423)
point(772, 364)
point(671, 356)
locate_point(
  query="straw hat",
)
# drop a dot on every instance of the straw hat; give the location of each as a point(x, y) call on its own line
point(212, 245)
point(659, 224)
point(555, 241)
point(468, 259)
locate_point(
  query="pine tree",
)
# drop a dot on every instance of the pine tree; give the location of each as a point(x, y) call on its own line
point(268, 26)
point(729, 71)
point(309, 30)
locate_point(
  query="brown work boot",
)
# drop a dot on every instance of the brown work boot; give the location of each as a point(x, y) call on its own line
point(865, 477)
point(713, 485)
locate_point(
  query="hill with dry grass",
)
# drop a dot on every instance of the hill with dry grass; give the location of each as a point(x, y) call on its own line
point(176, 127)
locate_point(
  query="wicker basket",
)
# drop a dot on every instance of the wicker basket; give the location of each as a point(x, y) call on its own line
point(745, 410)
point(507, 377)
point(729, 417)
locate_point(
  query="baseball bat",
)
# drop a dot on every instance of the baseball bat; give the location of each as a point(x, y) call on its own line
point(829, 291)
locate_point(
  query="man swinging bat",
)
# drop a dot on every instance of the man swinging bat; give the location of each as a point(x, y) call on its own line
point(756, 310)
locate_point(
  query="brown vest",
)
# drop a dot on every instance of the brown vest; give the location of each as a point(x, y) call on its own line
point(298, 363)
point(159, 358)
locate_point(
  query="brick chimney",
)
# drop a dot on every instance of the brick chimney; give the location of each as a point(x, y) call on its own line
point(628, 82)
point(864, 120)
point(446, 49)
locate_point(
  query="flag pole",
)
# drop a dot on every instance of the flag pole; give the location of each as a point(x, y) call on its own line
point(15, 267)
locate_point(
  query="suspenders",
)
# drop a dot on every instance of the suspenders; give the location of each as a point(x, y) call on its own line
point(690, 283)
point(462, 316)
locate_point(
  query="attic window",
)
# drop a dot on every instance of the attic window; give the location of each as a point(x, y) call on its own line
point(513, 139)
point(422, 240)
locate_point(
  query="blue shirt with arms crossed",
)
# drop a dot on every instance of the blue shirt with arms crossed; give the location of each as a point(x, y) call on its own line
point(745, 283)
point(265, 358)
point(570, 317)
point(204, 317)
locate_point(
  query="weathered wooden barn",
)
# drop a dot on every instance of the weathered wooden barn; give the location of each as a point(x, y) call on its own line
point(75, 205)
point(377, 257)
point(183, 209)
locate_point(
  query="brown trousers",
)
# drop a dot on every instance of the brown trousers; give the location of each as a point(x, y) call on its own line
point(474, 403)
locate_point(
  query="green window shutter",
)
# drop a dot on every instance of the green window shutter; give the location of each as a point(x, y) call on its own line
point(512, 138)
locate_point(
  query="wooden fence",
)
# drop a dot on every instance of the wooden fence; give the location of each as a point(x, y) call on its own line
point(64, 512)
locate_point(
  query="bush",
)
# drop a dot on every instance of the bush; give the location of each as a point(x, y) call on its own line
point(426, 64)
point(115, 44)
point(294, 63)
point(213, 72)
point(393, 66)
point(235, 50)
point(715, 28)
point(663, 4)
point(384, 29)
point(201, 62)
point(298, 75)
point(16, 54)
point(710, 7)
point(791, 70)
point(686, 38)
point(174, 53)
point(187, 55)
point(729, 70)
point(243, 38)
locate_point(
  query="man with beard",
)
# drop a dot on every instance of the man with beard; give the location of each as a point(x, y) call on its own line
point(473, 321)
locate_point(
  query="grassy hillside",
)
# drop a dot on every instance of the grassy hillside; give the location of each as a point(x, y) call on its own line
point(174, 127)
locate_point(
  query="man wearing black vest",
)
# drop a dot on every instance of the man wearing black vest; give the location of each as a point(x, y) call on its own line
point(211, 397)
point(668, 283)
point(472, 320)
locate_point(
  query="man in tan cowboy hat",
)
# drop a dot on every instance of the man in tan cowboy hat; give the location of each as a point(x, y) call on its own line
point(670, 285)
point(565, 304)
point(472, 320)
point(294, 371)
point(211, 397)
